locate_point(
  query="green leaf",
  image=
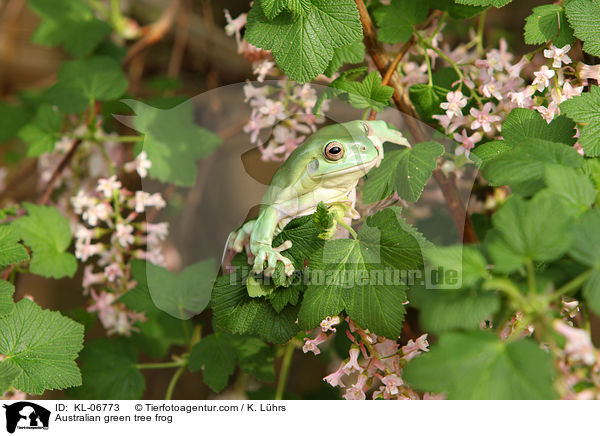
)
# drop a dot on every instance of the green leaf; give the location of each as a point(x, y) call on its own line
point(357, 276)
point(405, 171)
point(43, 132)
point(396, 22)
point(236, 312)
point(7, 289)
point(523, 167)
point(548, 23)
point(173, 141)
point(272, 8)
point(575, 190)
point(12, 119)
point(585, 109)
point(99, 78)
point(494, 3)
point(216, 357)
point(109, 371)
point(160, 330)
point(584, 16)
point(466, 261)
point(48, 234)
point(441, 311)
point(529, 229)
point(44, 345)
point(304, 235)
point(415, 167)
point(427, 99)
point(284, 296)
point(8, 375)
point(585, 249)
point(489, 151)
point(478, 365)
point(70, 23)
point(457, 11)
point(254, 357)
point(349, 54)
point(303, 45)
point(10, 250)
point(523, 124)
point(182, 295)
point(368, 94)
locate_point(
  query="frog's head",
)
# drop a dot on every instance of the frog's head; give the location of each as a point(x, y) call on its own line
point(348, 149)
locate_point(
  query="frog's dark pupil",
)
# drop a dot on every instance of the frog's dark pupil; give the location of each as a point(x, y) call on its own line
point(335, 150)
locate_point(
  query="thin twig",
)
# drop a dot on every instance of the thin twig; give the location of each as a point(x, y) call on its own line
point(447, 184)
point(181, 38)
point(58, 171)
point(154, 32)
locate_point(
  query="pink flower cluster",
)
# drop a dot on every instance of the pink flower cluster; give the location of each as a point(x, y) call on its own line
point(494, 85)
point(110, 234)
point(374, 364)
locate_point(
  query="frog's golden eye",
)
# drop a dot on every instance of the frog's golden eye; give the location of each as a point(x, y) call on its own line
point(367, 129)
point(334, 151)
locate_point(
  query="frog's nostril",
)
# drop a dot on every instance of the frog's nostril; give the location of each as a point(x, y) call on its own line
point(364, 148)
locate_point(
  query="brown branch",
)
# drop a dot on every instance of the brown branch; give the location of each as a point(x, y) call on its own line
point(58, 171)
point(181, 38)
point(447, 184)
point(154, 32)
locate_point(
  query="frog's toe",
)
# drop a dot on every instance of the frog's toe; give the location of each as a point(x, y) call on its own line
point(240, 241)
point(259, 261)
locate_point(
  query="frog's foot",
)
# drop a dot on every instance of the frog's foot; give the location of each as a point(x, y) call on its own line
point(272, 255)
point(240, 239)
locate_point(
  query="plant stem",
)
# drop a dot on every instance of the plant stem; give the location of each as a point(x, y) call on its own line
point(131, 138)
point(174, 380)
point(285, 369)
point(530, 276)
point(115, 16)
point(573, 285)
point(480, 29)
point(161, 365)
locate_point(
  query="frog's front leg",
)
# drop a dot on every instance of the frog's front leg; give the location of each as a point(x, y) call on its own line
point(261, 244)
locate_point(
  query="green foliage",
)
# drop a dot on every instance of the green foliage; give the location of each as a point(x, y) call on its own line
point(7, 290)
point(368, 94)
point(548, 23)
point(160, 330)
point(350, 275)
point(70, 23)
point(109, 371)
point(303, 44)
point(494, 3)
point(457, 10)
point(427, 99)
point(350, 54)
point(43, 132)
point(173, 141)
point(524, 124)
point(10, 250)
point(518, 235)
point(466, 260)
point(396, 22)
point(43, 344)
point(8, 375)
point(48, 234)
point(584, 16)
point(405, 171)
point(478, 365)
point(84, 81)
point(217, 355)
point(574, 189)
point(586, 250)
point(585, 109)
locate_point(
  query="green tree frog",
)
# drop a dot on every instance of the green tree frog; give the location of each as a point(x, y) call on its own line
point(326, 167)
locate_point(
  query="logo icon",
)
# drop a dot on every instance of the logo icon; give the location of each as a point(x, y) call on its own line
point(26, 415)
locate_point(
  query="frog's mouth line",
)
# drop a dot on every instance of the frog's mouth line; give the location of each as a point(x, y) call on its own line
point(366, 165)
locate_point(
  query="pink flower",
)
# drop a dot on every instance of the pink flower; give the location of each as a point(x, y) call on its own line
point(579, 345)
point(542, 77)
point(313, 344)
point(124, 234)
point(354, 394)
point(587, 72)
point(522, 98)
point(352, 364)
point(97, 212)
point(468, 142)
point(89, 278)
point(483, 118)
point(108, 186)
point(549, 112)
point(414, 348)
point(559, 55)
point(81, 201)
point(392, 382)
point(515, 70)
point(234, 26)
point(570, 91)
point(251, 92)
point(329, 323)
point(113, 271)
point(491, 89)
point(142, 164)
point(253, 126)
point(85, 249)
point(335, 379)
point(455, 102)
point(262, 68)
point(450, 124)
